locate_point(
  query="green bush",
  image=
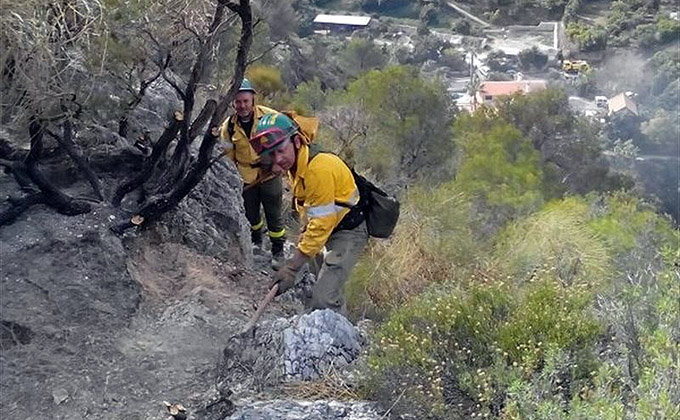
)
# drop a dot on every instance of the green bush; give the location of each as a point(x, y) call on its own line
point(621, 220)
point(555, 239)
point(587, 38)
point(551, 328)
point(499, 167)
point(668, 29)
point(463, 350)
point(433, 241)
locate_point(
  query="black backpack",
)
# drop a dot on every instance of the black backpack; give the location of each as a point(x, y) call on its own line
point(380, 210)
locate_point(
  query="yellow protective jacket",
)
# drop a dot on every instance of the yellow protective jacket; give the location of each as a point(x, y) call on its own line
point(241, 152)
point(317, 186)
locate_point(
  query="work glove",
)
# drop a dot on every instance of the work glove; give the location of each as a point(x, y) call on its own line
point(286, 275)
point(285, 278)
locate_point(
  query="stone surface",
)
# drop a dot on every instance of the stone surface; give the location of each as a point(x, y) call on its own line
point(306, 410)
point(299, 348)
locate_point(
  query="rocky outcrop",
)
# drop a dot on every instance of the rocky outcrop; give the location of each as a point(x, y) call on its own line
point(301, 348)
point(306, 410)
point(211, 219)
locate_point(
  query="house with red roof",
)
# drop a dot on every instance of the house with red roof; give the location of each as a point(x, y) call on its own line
point(490, 90)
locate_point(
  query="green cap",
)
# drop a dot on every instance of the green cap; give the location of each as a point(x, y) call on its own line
point(246, 86)
point(271, 132)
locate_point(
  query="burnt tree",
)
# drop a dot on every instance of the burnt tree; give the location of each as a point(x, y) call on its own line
point(180, 176)
point(170, 171)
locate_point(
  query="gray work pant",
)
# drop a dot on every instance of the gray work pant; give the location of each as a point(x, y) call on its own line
point(342, 253)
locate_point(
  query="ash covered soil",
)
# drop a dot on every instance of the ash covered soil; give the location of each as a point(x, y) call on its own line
point(98, 327)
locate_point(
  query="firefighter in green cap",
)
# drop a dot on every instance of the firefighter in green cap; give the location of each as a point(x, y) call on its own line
point(260, 189)
point(327, 198)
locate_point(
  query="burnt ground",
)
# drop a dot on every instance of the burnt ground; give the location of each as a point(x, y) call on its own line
point(95, 327)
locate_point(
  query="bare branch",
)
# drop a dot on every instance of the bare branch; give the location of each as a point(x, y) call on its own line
point(178, 89)
point(267, 51)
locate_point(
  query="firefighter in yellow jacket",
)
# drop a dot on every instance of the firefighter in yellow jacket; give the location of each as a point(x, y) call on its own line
point(237, 130)
point(326, 196)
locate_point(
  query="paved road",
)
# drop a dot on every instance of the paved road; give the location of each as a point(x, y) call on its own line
point(467, 14)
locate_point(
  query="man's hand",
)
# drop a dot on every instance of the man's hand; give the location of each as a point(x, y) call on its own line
point(285, 277)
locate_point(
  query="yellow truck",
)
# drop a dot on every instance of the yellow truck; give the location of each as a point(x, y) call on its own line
point(575, 66)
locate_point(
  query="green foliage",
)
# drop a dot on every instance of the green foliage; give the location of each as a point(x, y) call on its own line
point(588, 38)
point(507, 345)
point(668, 29)
point(532, 58)
point(464, 349)
point(391, 7)
point(663, 129)
point(409, 119)
point(499, 166)
point(558, 239)
point(309, 97)
point(266, 79)
point(623, 219)
point(454, 60)
point(433, 240)
point(361, 55)
point(570, 146)
point(461, 26)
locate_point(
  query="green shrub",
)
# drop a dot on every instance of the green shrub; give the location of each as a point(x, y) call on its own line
point(499, 167)
point(555, 239)
point(668, 29)
point(434, 240)
point(465, 349)
point(587, 38)
point(621, 219)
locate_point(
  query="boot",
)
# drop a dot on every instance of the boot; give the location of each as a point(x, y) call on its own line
point(256, 238)
point(277, 254)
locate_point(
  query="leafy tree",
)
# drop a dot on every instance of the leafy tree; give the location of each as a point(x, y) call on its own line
point(428, 14)
point(663, 130)
point(361, 55)
point(587, 38)
point(668, 29)
point(532, 58)
point(410, 118)
point(461, 26)
point(499, 167)
point(383, 5)
point(454, 60)
point(309, 97)
point(569, 147)
point(266, 79)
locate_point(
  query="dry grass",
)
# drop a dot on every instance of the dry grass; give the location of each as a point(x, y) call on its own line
point(332, 385)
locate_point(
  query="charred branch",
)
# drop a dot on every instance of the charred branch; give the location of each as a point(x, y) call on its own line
point(157, 205)
point(54, 198)
point(18, 206)
point(158, 151)
point(123, 123)
point(66, 141)
point(180, 156)
point(18, 170)
point(202, 119)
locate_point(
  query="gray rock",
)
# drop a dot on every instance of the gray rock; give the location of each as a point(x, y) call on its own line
point(300, 348)
point(211, 220)
point(306, 410)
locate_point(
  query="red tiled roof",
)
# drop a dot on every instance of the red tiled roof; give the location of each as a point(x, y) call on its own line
point(508, 88)
point(621, 102)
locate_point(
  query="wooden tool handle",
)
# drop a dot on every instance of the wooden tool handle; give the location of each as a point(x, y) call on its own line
point(263, 304)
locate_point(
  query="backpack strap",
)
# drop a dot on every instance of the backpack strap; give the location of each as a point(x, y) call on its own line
point(230, 128)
